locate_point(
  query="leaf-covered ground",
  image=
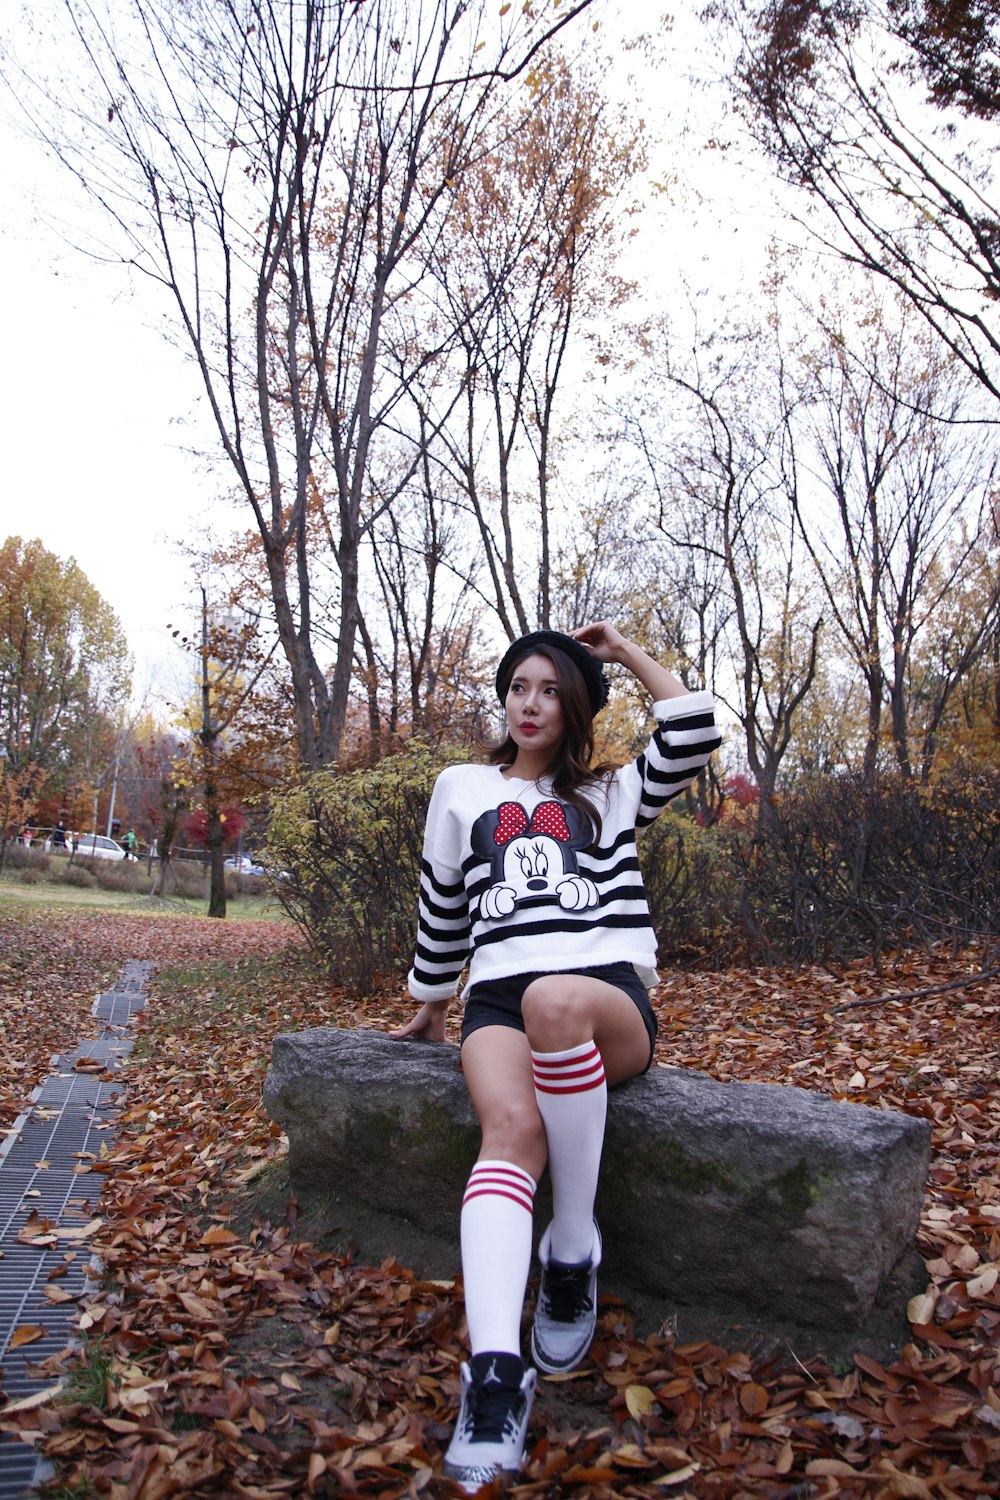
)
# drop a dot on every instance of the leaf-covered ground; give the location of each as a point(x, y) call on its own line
point(54, 963)
point(227, 1356)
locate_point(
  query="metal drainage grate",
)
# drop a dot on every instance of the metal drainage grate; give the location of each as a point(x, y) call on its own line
point(43, 1172)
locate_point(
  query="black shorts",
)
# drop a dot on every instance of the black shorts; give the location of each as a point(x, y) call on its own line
point(497, 1002)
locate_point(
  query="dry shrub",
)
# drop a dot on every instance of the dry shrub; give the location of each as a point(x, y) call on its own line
point(351, 847)
point(123, 876)
point(837, 868)
point(17, 857)
point(191, 878)
point(846, 866)
point(694, 894)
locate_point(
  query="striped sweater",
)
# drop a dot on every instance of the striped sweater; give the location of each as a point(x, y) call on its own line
point(510, 884)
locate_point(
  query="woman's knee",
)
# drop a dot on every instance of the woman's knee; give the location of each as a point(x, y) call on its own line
point(553, 1015)
point(516, 1133)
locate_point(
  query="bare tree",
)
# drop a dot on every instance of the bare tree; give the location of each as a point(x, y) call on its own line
point(954, 686)
point(539, 221)
point(229, 668)
point(893, 524)
point(419, 631)
point(726, 478)
point(843, 98)
point(284, 172)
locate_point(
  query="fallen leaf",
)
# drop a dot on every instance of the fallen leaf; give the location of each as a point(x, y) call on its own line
point(754, 1399)
point(830, 1468)
point(640, 1401)
point(677, 1476)
point(904, 1484)
point(217, 1235)
point(983, 1284)
point(920, 1309)
point(29, 1403)
point(630, 1456)
point(28, 1333)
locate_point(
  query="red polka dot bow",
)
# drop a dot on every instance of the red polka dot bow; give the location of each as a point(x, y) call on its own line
point(548, 818)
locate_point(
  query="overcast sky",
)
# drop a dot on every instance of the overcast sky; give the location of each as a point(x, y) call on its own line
point(99, 414)
point(92, 405)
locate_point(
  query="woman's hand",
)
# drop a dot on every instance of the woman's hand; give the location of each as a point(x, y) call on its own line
point(602, 640)
point(427, 1025)
point(606, 643)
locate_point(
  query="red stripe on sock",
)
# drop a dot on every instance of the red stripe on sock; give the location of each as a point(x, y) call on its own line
point(555, 1067)
point(548, 1060)
point(511, 1174)
point(492, 1192)
point(542, 1075)
point(497, 1179)
point(501, 1182)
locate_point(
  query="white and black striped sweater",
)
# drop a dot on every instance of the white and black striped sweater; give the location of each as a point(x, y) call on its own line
point(508, 883)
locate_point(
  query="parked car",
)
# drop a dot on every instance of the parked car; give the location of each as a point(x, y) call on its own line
point(242, 864)
point(96, 846)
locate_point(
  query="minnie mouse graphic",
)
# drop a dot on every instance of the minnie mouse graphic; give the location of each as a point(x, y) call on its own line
point(533, 859)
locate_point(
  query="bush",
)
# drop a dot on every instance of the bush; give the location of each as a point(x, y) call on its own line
point(844, 867)
point(187, 877)
point(17, 857)
point(77, 875)
point(694, 895)
point(838, 867)
point(351, 846)
point(115, 877)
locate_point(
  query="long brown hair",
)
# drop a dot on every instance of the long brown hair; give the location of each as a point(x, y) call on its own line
point(573, 774)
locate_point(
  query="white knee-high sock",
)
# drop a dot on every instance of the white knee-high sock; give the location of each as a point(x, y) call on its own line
point(496, 1254)
point(572, 1094)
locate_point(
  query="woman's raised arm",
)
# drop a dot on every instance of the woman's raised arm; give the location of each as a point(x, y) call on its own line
point(608, 644)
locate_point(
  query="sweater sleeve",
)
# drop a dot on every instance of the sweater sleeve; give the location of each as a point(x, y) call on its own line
point(684, 738)
point(443, 926)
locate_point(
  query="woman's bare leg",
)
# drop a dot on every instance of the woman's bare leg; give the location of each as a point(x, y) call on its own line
point(496, 1061)
point(497, 1208)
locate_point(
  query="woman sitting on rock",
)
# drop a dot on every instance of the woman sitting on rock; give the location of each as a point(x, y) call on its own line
point(530, 876)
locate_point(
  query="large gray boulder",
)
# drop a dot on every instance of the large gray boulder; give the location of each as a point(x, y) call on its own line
point(757, 1200)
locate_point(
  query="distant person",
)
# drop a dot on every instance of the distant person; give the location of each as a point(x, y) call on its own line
point(59, 835)
point(130, 844)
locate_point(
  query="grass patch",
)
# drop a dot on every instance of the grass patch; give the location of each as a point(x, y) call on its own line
point(82, 1489)
point(242, 993)
point(92, 1375)
point(79, 887)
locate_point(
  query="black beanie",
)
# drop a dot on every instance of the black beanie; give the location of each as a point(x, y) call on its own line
point(590, 668)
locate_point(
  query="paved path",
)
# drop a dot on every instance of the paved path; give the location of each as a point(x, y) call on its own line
point(45, 1195)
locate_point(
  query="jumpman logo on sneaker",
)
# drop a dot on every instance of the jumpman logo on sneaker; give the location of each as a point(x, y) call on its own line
point(491, 1377)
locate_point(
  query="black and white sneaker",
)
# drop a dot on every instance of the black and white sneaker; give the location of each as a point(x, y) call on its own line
point(497, 1392)
point(566, 1312)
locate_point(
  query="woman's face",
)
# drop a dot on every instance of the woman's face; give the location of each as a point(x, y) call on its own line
point(534, 712)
